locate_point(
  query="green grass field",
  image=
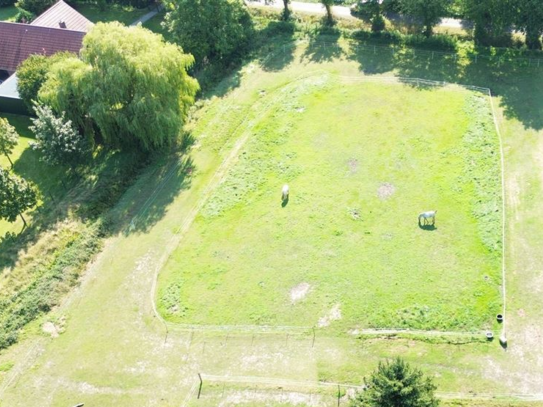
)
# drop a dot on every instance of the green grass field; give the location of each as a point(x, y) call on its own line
point(8, 13)
point(113, 350)
point(362, 160)
point(124, 14)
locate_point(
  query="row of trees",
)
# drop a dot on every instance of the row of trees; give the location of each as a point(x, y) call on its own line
point(492, 19)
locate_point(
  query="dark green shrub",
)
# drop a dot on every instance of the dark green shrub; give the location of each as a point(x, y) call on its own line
point(378, 24)
point(5, 3)
point(24, 16)
point(35, 6)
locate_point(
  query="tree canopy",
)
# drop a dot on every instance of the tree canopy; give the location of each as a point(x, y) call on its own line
point(16, 196)
point(429, 12)
point(529, 20)
point(8, 138)
point(32, 73)
point(129, 84)
point(57, 139)
point(35, 6)
point(491, 18)
point(396, 384)
point(211, 30)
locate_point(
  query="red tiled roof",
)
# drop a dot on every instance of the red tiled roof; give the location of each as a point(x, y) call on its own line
point(19, 41)
point(61, 12)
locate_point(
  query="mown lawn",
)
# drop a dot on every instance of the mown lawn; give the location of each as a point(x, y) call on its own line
point(362, 161)
point(155, 25)
point(124, 14)
point(8, 13)
point(114, 345)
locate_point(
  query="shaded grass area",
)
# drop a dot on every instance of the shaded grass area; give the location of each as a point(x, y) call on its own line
point(39, 264)
point(113, 12)
point(27, 165)
point(8, 13)
point(126, 357)
point(348, 239)
point(155, 25)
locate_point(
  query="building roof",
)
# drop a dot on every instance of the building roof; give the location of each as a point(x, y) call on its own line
point(8, 89)
point(19, 41)
point(62, 13)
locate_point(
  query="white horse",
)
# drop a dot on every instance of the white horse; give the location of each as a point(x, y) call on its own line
point(284, 193)
point(428, 216)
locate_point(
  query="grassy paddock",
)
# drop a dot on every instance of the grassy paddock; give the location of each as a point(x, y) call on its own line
point(124, 14)
point(114, 347)
point(362, 160)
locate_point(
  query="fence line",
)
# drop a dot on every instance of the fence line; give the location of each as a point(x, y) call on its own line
point(305, 386)
point(305, 330)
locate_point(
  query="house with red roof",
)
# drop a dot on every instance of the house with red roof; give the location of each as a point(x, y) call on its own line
point(60, 28)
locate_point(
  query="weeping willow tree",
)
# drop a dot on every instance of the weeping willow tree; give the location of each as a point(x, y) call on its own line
point(130, 85)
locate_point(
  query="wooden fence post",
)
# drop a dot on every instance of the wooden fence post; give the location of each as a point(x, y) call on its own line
point(201, 384)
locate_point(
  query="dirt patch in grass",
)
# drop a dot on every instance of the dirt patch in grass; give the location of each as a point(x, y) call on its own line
point(51, 329)
point(353, 166)
point(333, 315)
point(385, 191)
point(299, 292)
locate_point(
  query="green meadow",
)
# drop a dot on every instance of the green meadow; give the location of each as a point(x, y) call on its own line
point(362, 160)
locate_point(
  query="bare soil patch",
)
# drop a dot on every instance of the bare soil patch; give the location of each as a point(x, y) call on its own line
point(353, 166)
point(299, 292)
point(333, 315)
point(385, 191)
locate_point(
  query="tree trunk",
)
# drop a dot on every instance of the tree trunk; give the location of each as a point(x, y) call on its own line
point(428, 31)
point(9, 159)
point(286, 11)
point(24, 221)
point(329, 16)
point(533, 38)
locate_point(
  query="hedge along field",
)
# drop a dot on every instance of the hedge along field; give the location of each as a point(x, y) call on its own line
point(362, 161)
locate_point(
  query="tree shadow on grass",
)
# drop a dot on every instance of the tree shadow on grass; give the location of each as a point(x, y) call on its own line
point(100, 191)
point(275, 56)
point(324, 47)
point(372, 60)
point(273, 49)
point(142, 207)
point(518, 82)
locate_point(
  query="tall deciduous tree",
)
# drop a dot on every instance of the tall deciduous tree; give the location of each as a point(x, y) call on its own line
point(396, 384)
point(57, 139)
point(429, 12)
point(492, 18)
point(130, 84)
point(372, 11)
point(211, 30)
point(16, 196)
point(8, 138)
point(529, 19)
